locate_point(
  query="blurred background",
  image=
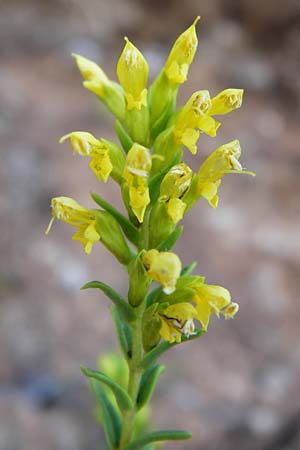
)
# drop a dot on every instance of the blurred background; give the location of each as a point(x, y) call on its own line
point(238, 386)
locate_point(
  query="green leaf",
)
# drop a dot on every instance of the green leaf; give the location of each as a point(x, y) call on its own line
point(155, 182)
point(171, 240)
point(162, 121)
point(180, 295)
point(158, 436)
point(152, 296)
point(187, 270)
point(124, 308)
point(123, 333)
point(111, 419)
point(154, 354)
point(148, 383)
point(122, 398)
point(130, 231)
point(123, 136)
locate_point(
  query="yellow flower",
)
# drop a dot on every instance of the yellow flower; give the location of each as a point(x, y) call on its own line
point(226, 101)
point(136, 171)
point(221, 161)
point(163, 267)
point(193, 118)
point(132, 71)
point(182, 55)
point(177, 320)
point(175, 209)
point(68, 210)
point(174, 185)
point(86, 144)
point(95, 80)
point(210, 299)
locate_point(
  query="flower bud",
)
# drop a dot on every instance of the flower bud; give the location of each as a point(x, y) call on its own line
point(136, 171)
point(132, 71)
point(107, 90)
point(163, 267)
point(182, 55)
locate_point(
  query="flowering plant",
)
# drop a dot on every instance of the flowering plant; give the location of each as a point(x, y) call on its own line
point(157, 189)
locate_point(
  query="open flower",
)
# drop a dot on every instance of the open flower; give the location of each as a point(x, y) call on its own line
point(86, 144)
point(211, 299)
point(223, 160)
point(106, 156)
point(181, 55)
point(163, 267)
point(136, 172)
point(192, 118)
point(197, 115)
point(174, 185)
point(177, 320)
point(69, 211)
point(132, 70)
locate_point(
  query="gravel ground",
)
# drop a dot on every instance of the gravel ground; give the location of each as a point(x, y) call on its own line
point(238, 385)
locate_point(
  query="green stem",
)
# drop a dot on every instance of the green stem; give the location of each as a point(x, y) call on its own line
point(144, 232)
point(135, 374)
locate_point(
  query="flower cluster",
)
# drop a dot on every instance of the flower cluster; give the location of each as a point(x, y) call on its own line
point(158, 188)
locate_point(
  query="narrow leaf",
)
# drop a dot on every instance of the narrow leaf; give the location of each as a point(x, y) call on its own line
point(122, 398)
point(162, 121)
point(124, 308)
point(158, 436)
point(148, 383)
point(123, 333)
point(111, 419)
point(130, 231)
point(152, 296)
point(123, 136)
point(171, 240)
point(154, 354)
point(187, 270)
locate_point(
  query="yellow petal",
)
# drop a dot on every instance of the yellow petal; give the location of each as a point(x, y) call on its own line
point(189, 139)
point(163, 267)
point(209, 125)
point(101, 164)
point(230, 311)
point(81, 142)
point(175, 209)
